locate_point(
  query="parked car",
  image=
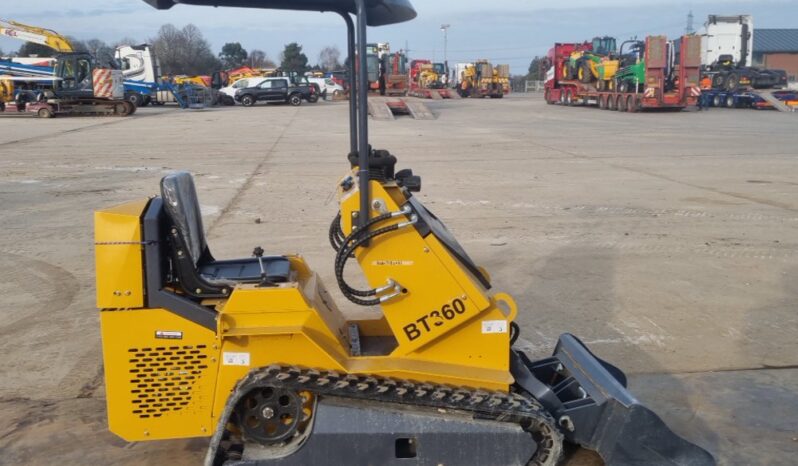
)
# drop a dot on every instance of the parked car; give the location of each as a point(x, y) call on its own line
point(327, 86)
point(242, 83)
point(276, 90)
point(304, 81)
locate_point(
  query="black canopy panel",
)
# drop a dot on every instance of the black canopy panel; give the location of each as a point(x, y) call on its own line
point(379, 12)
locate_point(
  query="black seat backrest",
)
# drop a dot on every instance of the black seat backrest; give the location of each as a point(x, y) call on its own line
point(182, 207)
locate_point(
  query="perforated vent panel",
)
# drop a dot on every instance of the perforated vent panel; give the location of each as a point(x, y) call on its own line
point(164, 379)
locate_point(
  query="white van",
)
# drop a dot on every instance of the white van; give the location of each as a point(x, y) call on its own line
point(241, 84)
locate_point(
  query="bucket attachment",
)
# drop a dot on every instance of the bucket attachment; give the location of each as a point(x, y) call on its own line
point(589, 399)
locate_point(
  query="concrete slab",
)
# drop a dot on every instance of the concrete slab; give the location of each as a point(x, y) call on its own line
point(666, 241)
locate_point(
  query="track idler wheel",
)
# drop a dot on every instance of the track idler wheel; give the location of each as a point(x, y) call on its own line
point(270, 415)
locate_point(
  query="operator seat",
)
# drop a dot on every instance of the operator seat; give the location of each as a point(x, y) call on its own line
point(194, 269)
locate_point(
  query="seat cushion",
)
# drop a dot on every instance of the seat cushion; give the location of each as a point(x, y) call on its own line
point(247, 270)
point(182, 207)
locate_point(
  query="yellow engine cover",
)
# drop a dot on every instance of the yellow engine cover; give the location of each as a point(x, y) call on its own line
point(160, 374)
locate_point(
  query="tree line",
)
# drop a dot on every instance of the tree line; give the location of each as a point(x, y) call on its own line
point(186, 51)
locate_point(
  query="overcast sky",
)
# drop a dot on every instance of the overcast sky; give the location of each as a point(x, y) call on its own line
point(504, 31)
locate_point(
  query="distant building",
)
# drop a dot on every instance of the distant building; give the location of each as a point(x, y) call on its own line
point(777, 49)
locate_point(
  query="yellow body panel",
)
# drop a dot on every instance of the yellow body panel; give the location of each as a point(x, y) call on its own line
point(160, 372)
point(608, 68)
point(118, 265)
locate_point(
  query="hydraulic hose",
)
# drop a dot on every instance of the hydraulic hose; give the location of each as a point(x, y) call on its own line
point(345, 247)
point(354, 294)
point(336, 235)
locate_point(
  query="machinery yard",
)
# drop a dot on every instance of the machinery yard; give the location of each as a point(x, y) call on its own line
point(668, 242)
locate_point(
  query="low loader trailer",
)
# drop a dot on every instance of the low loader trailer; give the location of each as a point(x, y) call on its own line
point(659, 79)
point(784, 100)
point(434, 94)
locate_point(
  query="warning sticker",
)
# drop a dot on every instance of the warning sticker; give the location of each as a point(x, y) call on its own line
point(235, 359)
point(392, 262)
point(494, 326)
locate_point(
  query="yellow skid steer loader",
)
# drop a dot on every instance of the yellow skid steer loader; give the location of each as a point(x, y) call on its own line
point(254, 353)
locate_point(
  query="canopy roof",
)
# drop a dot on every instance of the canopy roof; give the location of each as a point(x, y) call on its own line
point(379, 12)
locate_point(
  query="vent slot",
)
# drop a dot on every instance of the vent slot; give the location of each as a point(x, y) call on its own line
point(163, 380)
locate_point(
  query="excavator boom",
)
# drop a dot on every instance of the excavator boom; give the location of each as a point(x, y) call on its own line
point(36, 35)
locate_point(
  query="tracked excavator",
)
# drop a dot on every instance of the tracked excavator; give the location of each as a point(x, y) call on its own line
point(255, 354)
point(79, 84)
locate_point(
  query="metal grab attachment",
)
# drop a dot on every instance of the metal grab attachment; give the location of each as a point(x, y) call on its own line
point(589, 399)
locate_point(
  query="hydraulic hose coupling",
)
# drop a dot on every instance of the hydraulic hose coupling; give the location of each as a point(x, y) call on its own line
point(412, 221)
point(405, 210)
point(390, 285)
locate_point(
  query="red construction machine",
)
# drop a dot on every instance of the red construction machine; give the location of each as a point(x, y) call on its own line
point(652, 74)
point(428, 80)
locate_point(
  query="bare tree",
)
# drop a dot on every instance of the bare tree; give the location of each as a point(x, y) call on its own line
point(329, 58)
point(101, 51)
point(184, 51)
point(125, 41)
point(167, 48)
point(259, 59)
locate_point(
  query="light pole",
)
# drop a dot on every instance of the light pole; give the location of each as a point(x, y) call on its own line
point(445, 29)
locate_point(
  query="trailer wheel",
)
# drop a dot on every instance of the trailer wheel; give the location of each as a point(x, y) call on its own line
point(730, 102)
point(45, 113)
point(621, 105)
point(719, 81)
point(717, 101)
point(602, 102)
point(631, 104)
point(135, 98)
point(569, 98)
point(732, 82)
point(610, 102)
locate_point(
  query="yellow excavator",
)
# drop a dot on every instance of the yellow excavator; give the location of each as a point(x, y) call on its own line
point(255, 354)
